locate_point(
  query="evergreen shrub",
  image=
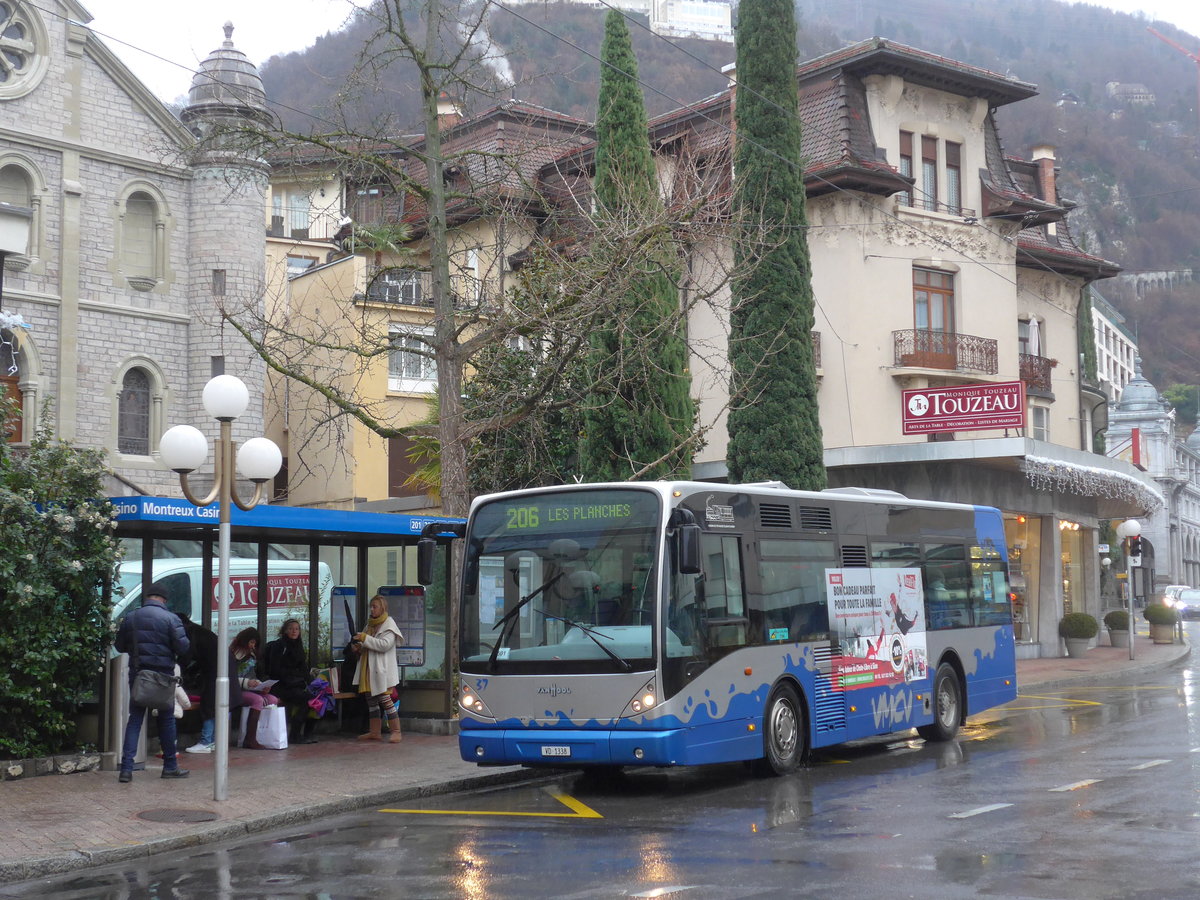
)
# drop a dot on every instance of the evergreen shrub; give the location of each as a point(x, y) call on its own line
point(58, 558)
point(1078, 625)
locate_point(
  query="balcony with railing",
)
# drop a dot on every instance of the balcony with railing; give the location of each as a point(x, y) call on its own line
point(917, 348)
point(1035, 372)
point(816, 350)
point(414, 287)
point(409, 287)
point(302, 223)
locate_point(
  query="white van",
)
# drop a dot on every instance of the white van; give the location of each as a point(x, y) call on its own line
point(287, 586)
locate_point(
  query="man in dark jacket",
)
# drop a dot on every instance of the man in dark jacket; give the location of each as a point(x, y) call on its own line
point(154, 638)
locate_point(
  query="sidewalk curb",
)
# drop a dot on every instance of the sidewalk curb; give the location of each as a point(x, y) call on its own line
point(1180, 655)
point(1102, 669)
point(39, 867)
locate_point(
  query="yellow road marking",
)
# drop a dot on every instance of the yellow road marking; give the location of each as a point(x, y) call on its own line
point(578, 810)
point(1057, 701)
point(1115, 688)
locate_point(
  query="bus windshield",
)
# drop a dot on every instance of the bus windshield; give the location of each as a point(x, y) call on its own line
point(561, 582)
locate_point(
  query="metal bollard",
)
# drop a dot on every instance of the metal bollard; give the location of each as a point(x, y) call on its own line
point(118, 712)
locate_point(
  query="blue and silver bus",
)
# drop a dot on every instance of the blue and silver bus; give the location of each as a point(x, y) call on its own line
point(680, 623)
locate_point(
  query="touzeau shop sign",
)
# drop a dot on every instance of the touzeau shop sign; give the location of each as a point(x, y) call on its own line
point(975, 407)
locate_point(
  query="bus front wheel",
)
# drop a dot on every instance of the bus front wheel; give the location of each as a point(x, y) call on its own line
point(947, 706)
point(785, 732)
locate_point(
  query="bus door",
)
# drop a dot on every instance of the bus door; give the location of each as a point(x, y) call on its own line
point(705, 616)
point(720, 596)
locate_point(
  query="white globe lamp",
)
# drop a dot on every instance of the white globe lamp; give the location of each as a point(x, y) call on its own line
point(259, 459)
point(226, 397)
point(183, 449)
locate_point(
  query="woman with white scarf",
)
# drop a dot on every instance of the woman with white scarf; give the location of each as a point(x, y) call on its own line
point(377, 671)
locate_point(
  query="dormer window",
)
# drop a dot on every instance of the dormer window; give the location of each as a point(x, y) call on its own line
point(929, 173)
point(953, 178)
point(938, 186)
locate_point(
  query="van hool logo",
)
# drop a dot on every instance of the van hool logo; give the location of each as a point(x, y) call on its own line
point(717, 513)
point(554, 690)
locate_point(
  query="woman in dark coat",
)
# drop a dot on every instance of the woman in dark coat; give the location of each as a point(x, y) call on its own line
point(286, 662)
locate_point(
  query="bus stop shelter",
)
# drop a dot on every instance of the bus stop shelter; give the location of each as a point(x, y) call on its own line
point(339, 559)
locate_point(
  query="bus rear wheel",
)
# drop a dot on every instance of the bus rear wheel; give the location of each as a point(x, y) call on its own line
point(947, 706)
point(785, 733)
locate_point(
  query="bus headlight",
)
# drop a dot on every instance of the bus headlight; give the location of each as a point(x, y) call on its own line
point(644, 700)
point(470, 703)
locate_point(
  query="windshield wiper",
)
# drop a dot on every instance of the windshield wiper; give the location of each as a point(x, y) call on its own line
point(624, 663)
point(510, 617)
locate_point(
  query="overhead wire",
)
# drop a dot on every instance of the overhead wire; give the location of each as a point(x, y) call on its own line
point(190, 69)
point(933, 238)
point(681, 105)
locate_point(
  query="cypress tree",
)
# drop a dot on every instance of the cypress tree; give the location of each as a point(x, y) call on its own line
point(774, 426)
point(638, 417)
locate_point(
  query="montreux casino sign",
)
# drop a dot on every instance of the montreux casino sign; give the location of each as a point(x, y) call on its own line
point(975, 407)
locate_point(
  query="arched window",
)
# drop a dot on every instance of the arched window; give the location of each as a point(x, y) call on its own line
point(139, 236)
point(14, 186)
point(133, 414)
point(10, 389)
point(19, 186)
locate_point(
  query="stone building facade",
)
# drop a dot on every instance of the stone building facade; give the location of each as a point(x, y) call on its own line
point(1142, 432)
point(137, 239)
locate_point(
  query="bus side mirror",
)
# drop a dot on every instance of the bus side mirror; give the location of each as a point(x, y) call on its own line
point(689, 549)
point(426, 548)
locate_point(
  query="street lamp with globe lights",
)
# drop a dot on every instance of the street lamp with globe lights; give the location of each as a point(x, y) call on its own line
point(1130, 528)
point(184, 449)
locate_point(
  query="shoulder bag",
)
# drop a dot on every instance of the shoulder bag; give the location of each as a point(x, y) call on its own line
point(151, 689)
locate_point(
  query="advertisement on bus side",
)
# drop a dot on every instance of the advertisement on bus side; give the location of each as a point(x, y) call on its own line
point(878, 620)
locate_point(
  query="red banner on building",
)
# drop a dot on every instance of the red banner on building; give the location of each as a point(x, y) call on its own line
point(974, 407)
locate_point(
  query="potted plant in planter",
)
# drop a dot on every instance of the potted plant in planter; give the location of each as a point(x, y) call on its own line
point(1077, 629)
point(1162, 619)
point(1117, 623)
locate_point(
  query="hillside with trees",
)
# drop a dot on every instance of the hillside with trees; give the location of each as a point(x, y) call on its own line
point(1132, 168)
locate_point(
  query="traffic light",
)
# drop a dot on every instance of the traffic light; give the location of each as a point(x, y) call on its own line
point(1135, 546)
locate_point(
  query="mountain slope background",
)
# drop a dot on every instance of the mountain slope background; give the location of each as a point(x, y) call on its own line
point(1133, 170)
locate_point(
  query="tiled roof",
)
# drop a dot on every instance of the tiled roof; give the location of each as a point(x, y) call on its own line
point(879, 56)
point(1052, 247)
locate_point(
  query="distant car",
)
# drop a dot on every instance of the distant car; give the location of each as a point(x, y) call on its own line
point(1171, 592)
point(1187, 602)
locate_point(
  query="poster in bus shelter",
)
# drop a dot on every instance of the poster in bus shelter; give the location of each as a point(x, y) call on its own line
point(878, 619)
point(344, 598)
point(406, 604)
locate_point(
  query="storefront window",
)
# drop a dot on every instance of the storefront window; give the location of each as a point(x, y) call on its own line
point(1023, 534)
point(1072, 566)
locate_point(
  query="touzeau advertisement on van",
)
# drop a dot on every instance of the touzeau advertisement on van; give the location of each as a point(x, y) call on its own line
point(287, 588)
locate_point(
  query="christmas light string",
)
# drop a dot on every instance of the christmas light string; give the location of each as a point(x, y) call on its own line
point(1046, 474)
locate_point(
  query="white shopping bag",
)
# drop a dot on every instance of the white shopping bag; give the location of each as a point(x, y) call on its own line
point(272, 727)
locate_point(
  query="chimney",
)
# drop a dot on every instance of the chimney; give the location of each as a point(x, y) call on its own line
point(1043, 155)
point(449, 111)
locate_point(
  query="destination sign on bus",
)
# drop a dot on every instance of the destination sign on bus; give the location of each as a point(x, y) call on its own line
point(535, 516)
point(570, 510)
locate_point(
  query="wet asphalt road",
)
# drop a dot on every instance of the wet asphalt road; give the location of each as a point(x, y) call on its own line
point(1088, 792)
